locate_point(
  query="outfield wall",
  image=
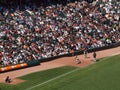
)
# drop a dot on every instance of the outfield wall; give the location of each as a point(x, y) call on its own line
point(18, 66)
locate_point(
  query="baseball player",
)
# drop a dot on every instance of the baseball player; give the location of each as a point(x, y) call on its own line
point(77, 60)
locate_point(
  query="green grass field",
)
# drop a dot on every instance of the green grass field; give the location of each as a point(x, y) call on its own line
point(103, 75)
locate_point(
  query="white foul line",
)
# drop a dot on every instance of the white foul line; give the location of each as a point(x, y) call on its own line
point(52, 79)
point(61, 75)
point(115, 54)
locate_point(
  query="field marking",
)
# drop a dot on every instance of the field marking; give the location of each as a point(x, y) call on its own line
point(115, 54)
point(109, 56)
point(53, 79)
point(65, 74)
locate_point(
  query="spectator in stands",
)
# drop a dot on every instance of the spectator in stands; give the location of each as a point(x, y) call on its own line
point(31, 31)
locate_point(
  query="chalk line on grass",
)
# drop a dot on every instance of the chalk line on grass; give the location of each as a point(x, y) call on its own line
point(62, 75)
point(115, 54)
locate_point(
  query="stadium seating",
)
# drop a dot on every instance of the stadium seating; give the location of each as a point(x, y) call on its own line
point(32, 31)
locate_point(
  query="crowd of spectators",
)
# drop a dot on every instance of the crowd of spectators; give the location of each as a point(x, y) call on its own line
point(31, 31)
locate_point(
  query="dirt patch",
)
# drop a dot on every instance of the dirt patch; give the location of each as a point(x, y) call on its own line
point(17, 81)
point(14, 81)
point(65, 61)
